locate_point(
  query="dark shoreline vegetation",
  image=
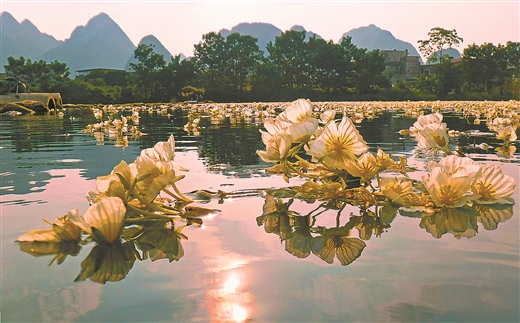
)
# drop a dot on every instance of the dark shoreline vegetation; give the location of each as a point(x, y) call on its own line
point(234, 69)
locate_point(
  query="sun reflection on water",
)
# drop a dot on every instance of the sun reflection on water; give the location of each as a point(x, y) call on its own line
point(229, 303)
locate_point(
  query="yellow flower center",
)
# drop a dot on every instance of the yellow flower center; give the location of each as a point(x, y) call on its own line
point(447, 195)
point(440, 140)
point(486, 191)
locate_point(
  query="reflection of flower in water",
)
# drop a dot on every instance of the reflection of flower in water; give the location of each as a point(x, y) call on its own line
point(491, 215)
point(108, 262)
point(60, 250)
point(337, 243)
point(368, 222)
point(461, 222)
point(275, 217)
point(161, 243)
point(299, 245)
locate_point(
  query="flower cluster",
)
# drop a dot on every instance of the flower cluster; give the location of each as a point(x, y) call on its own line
point(131, 194)
point(335, 146)
point(339, 154)
point(116, 129)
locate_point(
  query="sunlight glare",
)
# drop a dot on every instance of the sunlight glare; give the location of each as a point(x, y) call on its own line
point(239, 314)
point(231, 284)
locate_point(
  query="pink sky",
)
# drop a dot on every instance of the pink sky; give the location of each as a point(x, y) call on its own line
point(180, 24)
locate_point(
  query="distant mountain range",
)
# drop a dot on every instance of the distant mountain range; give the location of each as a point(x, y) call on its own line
point(101, 43)
point(372, 37)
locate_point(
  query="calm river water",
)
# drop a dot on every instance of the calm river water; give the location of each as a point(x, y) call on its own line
point(234, 267)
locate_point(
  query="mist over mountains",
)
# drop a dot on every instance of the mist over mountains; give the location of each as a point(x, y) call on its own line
point(101, 43)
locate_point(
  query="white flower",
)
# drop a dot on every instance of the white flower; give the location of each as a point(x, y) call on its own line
point(338, 144)
point(424, 120)
point(447, 190)
point(296, 112)
point(102, 220)
point(276, 148)
point(303, 131)
point(494, 186)
point(162, 151)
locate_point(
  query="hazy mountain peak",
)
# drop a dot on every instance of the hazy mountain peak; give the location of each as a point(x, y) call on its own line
point(308, 34)
point(372, 37)
point(298, 28)
point(101, 43)
point(452, 52)
point(100, 18)
point(157, 48)
point(29, 26)
point(262, 31)
point(6, 15)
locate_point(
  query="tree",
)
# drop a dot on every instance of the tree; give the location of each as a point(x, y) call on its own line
point(327, 65)
point(210, 60)
point(145, 80)
point(448, 77)
point(175, 77)
point(225, 64)
point(39, 76)
point(289, 55)
point(512, 67)
point(244, 56)
point(266, 82)
point(479, 67)
point(438, 38)
point(368, 71)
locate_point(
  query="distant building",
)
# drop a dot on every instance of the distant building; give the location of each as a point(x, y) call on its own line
point(400, 66)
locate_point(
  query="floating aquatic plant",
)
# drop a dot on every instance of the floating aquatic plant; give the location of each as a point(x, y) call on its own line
point(137, 211)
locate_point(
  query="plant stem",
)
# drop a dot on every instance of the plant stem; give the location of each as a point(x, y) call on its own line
point(149, 215)
point(153, 206)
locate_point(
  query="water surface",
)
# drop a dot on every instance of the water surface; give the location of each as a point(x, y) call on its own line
point(232, 268)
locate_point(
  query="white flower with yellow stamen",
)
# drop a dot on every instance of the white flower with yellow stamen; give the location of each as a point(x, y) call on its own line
point(337, 144)
point(506, 134)
point(395, 187)
point(123, 172)
point(494, 186)
point(155, 176)
point(327, 116)
point(434, 136)
point(296, 112)
point(365, 167)
point(276, 148)
point(424, 120)
point(457, 166)
point(447, 190)
point(162, 151)
point(303, 131)
point(274, 126)
point(383, 160)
